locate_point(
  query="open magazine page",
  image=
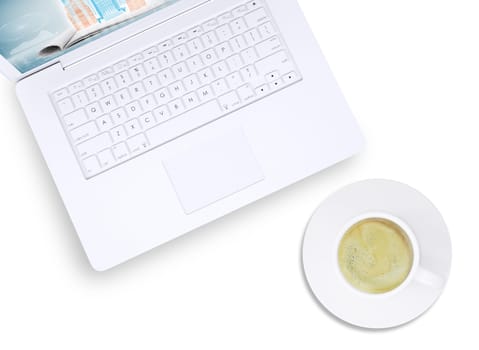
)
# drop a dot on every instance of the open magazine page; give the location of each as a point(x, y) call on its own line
point(58, 43)
point(34, 32)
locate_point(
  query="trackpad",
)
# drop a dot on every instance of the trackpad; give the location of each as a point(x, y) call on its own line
point(213, 170)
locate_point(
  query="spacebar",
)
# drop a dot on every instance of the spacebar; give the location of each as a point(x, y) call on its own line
point(184, 123)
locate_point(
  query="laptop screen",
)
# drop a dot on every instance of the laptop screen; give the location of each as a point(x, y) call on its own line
point(34, 32)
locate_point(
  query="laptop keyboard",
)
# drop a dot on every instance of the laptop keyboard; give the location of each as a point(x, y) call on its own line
point(174, 87)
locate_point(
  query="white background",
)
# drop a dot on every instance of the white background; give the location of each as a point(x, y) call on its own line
point(410, 71)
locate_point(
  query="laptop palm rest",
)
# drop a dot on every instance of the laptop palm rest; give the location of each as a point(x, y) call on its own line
point(213, 170)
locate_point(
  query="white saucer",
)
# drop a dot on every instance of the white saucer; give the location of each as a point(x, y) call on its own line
point(391, 200)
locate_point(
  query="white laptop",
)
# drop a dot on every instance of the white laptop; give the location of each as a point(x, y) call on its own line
point(157, 117)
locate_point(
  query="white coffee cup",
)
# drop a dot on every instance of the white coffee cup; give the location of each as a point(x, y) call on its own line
point(417, 273)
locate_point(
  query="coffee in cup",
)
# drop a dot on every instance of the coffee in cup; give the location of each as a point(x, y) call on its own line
point(375, 255)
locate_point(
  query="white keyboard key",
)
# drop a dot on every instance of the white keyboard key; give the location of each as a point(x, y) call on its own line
point(151, 83)
point(147, 120)
point(180, 52)
point(277, 84)
point(253, 4)
point(255, 18)
point(279, 62)
point(180, 39)
point(224, 50)
point(135, 59)
point(104, 123)
point(106, 158)
point(66, 106)
point(193, 32)
point(240, 11)
point(166, 77)
point(180, 70)
point(290, 77)
point(206, 76)
point(94, 110)
point(184, 123)
point(119, 116)
point(90, 80)
point(249, 55)
point(235, 62)
point(132, 127)
point(194, 63)
point(176, 107)
point(162, 114)
point(234, 80)
point(80, 99)
point(229, 101)
point(91, 165)
point(246, 93)
point(137, 72)
point(224, 32)
point(137, 90)
point(162, 96)
point(106, 72)
point(152, 66)
point(94, 92)
point(266, 30)
point(151, 52)
point(76, 87)
point(252, 37)
point(84, 132)
point(148, 102)
point(220, 69)
point(269, 46)
point(60, 94)
point(123, 97)
point(133, 109)
point(166, 59)
point(248, 73)
point(109, 86)
point(121, 66)
point(118, 134)
point(108, 104)
point(75, 119)
point(211, 24)
point(272, 76)
point(220, 87)
point(165, 45)
point(209, 39)
point(238, 26)
point(225, 18)
point(121, 151)
point(209, 57)
point(238, 43)
point(138, 144)
point(176, 89)
point(94, 145)
point(206, 93)
point(262, 90)
point(191, 82)
point(191, 100)
point(195, 46)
